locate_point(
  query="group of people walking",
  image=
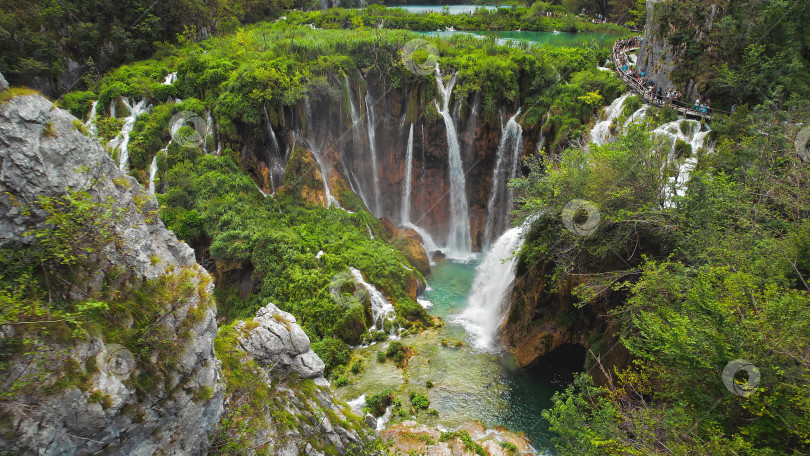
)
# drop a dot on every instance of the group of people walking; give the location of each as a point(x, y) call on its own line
point(648, 88)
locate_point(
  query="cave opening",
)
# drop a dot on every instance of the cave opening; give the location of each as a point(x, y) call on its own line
point(560, 365)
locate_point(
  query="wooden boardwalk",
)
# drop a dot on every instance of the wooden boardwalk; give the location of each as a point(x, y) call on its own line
point(683, 108)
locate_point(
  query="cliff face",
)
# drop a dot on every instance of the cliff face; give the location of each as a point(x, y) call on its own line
point(676, 52)
point(43, 154)
point(336, 127)
point(545, 327)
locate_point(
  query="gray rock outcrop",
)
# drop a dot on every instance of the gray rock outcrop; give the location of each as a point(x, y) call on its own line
point(279, 342)
point(3, 83)
point(43, 153)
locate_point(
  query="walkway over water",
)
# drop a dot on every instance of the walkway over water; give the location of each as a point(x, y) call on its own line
point(619, 56)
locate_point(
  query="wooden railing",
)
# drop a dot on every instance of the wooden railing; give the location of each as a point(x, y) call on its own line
point(684, 108)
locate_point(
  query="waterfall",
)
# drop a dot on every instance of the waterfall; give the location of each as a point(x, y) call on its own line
point(122, 140)
point(152, 172)
point(406, 195)
point(696, 139)
point(382, 311)
point(275, 159)
point(356, 141)
point(91, 120)
point(427, 241)
point(316, 151)
point(372, 146)
point(509, 148)
point(600, 134)
point(459, 237)
point(487, 305)
point(170, 78)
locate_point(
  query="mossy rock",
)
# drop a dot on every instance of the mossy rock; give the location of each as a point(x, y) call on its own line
point(302, 178)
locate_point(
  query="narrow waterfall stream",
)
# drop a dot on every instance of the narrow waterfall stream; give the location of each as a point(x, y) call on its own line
point(600, 134)
point(317, 151)
point(92, 128)
point(459, 240)
point(372, 147)
point(121, 142)
point(405, 214)
point(506, 167)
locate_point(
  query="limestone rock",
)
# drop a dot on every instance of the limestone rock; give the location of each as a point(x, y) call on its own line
point(125, 422)
point(3, 83)
point(279, 341)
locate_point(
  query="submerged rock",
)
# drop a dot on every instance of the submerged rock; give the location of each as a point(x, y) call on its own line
point(280, 342)
point(410, 437)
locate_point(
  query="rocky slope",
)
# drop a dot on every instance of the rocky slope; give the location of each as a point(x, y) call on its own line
point(86, 395)
point(43, 154)
point(278, 401)
point(676, 44)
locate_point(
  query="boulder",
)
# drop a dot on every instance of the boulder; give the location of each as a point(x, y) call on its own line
point(280, 342)
point(3, 83)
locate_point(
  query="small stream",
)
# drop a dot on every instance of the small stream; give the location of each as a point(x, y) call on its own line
point(469, 384)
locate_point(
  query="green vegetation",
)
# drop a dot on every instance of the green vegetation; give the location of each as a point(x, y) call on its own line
point(42, 38)
point(271, 243)
point(39, 288)
point(532, 18)
point(419, 400)
point(696, 281)
point(754, 50)
point(377, 403)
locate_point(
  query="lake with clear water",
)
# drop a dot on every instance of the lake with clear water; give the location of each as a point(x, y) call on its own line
point(566, 39)
point(452, 9)
point(469, 384)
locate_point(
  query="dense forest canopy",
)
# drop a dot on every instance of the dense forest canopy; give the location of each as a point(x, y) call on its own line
point(691, 276)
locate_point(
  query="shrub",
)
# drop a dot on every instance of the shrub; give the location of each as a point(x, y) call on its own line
point(419, 400)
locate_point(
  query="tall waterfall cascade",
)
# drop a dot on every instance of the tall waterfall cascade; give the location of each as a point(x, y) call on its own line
point(356, 140)
point(459, 240)
point(506, 167)
point(372, 147)
point(487, 305)
point(121, 142)
point(317, 151)
point(600, 134)
point(405, 211)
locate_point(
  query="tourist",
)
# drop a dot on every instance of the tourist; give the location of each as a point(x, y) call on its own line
point(733, 108)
